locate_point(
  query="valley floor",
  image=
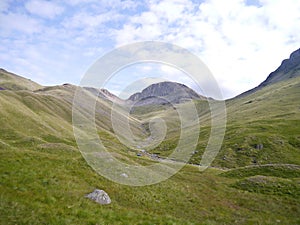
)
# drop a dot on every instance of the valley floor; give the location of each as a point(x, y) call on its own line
point(47, 186)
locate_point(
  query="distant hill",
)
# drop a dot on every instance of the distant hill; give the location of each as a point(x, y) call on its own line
point(164, 93)
point(105, 94)
point(10, 81)
point(288, 69)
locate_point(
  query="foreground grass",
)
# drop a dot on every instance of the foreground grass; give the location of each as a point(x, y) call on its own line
point(47, 186)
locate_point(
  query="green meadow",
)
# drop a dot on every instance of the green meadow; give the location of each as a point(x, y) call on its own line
point(255, 178)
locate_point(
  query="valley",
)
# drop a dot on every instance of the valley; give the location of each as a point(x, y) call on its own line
point(255, 178)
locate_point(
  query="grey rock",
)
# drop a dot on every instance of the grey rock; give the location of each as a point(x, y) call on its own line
point(259, 146)
point(104, 94)
point(124, 175)
point(164, 93)
point(288, 69)
point(99, 196)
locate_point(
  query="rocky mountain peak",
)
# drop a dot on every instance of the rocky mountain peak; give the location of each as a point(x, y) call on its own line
point(289, 68)
point(295, 54)
point(163, 92)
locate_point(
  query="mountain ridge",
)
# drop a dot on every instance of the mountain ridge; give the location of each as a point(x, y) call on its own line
point(11, 81)
point(157, 93)
point(164, 93)
point(289, 68)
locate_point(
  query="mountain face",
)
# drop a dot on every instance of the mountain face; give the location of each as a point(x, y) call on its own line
point(164, 93)
point(288, 69)
point(104, 94)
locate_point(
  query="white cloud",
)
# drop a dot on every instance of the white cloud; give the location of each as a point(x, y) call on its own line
point(4, 5)
point(240, 43)
point(45, 9)
point(77, 2)
point(18, 22)
point(88, 20)
point(111, 4)
point(121, 4)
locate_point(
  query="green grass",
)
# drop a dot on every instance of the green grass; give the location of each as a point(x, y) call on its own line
point(48, 187)
point(276, 170)
point(269, 117)
point(44, 178)
point(270, 186)
point(278, 180)
point(10, 81)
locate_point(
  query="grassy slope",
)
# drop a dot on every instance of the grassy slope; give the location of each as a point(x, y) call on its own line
point(270, 117)
point(44, 118)
point(10, 81)
point(48, 187)
point(44, 178)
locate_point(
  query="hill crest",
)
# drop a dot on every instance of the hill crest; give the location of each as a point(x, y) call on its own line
point(13, 82)
point(164, 92)
point(288, 69)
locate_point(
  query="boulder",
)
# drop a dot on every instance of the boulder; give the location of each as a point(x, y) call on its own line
point(124, 175)
point(259, 146)
point(99, 196)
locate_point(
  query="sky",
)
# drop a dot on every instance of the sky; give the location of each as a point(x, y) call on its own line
point(240, 41)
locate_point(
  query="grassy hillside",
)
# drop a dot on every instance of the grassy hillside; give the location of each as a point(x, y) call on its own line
point(263, 127)
point(44, 178)
point(10, 81)
point(43, 119)
point(48, 187)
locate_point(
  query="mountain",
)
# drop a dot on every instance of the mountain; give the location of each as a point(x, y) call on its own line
point(43, 117)
point(104, 94)
point(164, 93)
point(288, 69)
point(268, 115)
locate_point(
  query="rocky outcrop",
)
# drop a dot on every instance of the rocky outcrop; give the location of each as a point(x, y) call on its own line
point(104, 94)
point(288, 69)
point(99, 196)
point(164, 93)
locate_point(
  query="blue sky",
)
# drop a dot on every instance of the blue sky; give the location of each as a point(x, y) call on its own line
point(241, 41)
